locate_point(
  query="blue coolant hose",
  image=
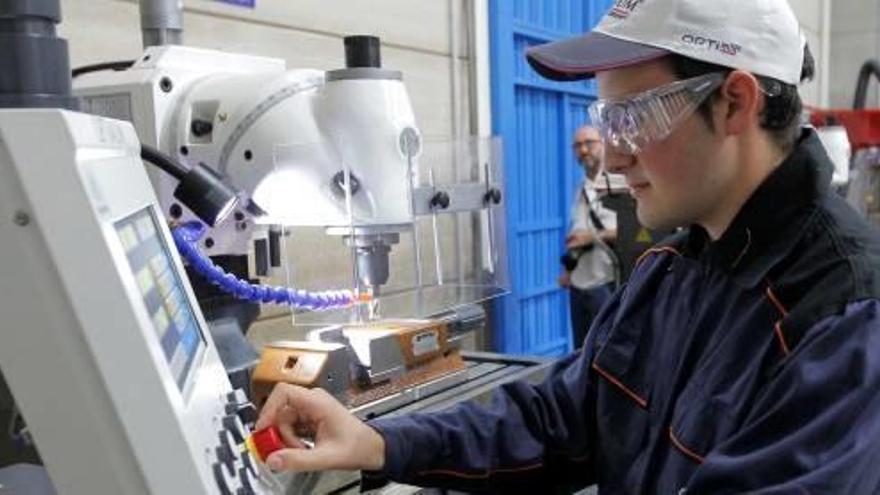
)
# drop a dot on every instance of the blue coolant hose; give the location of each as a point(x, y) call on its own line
point(187, 235)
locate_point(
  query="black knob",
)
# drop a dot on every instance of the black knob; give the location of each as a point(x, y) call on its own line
point(237, 397)
point(234, 425)
point(248, 414)
point(201, 128)
point(362, 51)
point(338, 186)
point(247, 483)
point(493, 196)
point(222, 479)
point(247, 460)
point(225, 456)
point(440, 200)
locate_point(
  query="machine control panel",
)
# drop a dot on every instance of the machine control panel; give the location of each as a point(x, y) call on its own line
point(93, 277)
point(162, 291)
point(236, 471)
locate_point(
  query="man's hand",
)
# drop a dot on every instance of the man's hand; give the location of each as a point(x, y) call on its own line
point(579, 238)
point(341, 440)
point(565, 279)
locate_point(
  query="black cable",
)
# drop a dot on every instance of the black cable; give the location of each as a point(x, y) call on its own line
point(871, 67)
point(165, 162)
point(117, 66)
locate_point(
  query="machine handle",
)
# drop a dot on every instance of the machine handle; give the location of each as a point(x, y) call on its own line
point(493, 196)
point(440, 200)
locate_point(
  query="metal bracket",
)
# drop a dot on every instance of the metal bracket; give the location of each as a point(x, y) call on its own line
point(470, 196)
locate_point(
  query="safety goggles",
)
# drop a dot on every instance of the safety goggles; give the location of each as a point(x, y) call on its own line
point(629, 124)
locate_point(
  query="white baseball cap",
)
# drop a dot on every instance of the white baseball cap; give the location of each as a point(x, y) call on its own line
point(759, 36)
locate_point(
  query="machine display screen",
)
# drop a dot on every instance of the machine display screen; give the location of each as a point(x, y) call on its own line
point(159, 284)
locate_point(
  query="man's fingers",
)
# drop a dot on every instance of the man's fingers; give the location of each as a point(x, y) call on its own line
point(291, 439)
point(301, 460)
point(280, 401)
point(563, 280)
point(579, 241)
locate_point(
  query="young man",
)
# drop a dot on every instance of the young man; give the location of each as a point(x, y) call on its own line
point(588, 269)
point(744, 353)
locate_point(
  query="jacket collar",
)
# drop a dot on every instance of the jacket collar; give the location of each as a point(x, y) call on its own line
point(771, 221)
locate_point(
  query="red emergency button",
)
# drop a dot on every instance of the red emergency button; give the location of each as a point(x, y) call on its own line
point(264, 442)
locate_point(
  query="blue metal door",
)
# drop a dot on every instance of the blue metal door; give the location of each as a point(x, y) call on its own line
point(536, 119)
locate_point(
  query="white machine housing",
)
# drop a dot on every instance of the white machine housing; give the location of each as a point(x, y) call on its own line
point(79, 349)
point(279, 136)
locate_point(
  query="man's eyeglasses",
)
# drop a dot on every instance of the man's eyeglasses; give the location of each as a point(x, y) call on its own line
point(586, 142)
point(629, 124)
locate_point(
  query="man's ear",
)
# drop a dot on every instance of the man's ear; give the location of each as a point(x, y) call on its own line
point(742, 103)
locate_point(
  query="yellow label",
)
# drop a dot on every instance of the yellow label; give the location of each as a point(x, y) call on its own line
point(644, 237)
point(252, 448)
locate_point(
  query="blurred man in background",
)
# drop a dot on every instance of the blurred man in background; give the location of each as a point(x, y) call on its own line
point(588, 269)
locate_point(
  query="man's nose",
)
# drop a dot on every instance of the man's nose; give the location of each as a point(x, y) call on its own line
point(616, 161)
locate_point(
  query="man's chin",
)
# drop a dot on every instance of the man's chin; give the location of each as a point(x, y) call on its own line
point(654, 220)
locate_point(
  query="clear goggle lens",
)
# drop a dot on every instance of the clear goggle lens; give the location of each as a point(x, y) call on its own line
point(629, 124)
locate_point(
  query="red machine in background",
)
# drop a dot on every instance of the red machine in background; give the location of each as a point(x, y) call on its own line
point(863, 130)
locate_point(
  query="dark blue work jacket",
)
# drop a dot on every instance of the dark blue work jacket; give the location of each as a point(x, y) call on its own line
point(746, 365)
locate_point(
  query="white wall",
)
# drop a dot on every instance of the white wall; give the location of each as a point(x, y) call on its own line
point(855, 38)
point(813, 21)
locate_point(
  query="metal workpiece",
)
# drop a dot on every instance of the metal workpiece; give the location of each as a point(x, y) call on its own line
point(34, 63)
point(386, 358)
